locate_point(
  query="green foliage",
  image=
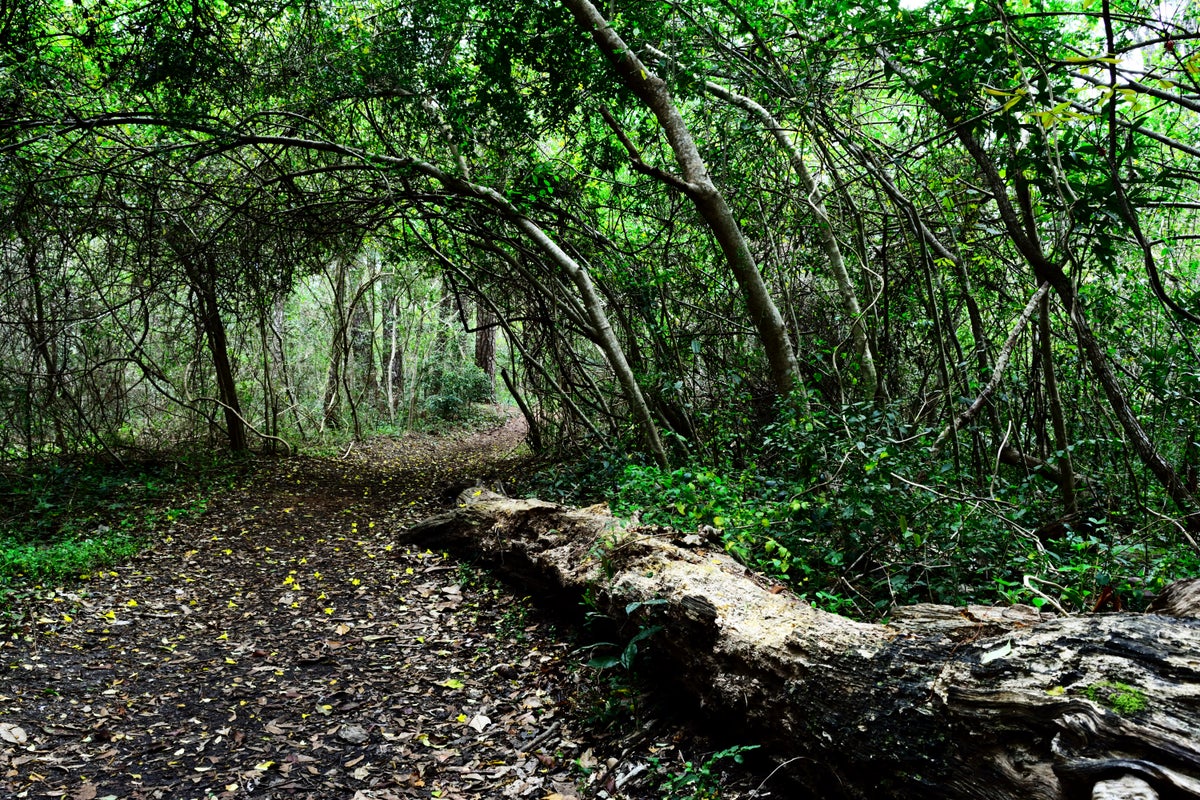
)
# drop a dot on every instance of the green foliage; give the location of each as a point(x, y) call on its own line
point(1122, 698)
point(623, 654)
point(69, 517)
point(847, 509)
point(699, 781)
point(584, 479)
point(451, 388)
point(610, 699)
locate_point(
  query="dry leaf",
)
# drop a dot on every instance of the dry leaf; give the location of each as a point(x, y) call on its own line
point(588, 760)
point(13, 734)
point(85, 792)
point(354, 734)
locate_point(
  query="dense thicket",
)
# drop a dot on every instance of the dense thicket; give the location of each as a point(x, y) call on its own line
point(899, 299)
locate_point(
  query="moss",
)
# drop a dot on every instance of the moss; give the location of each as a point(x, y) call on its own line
point(1120, 697)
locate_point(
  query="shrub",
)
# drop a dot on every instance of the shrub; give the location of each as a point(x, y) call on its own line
point(450, 389)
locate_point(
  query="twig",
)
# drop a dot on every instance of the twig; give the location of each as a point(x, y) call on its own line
point(543, 737)
point(781, 766)
point(1182, 528)
point(1043, 595)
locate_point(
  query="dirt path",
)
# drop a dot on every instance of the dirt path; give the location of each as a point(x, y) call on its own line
point(284, 645)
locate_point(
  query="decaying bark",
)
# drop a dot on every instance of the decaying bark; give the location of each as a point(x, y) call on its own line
point(942, 703)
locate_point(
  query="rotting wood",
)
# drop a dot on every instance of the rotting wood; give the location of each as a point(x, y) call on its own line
point(942, 703)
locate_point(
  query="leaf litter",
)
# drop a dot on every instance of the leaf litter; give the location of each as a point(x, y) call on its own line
point(285, 644)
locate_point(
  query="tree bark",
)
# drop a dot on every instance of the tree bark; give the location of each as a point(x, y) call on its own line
point(943, 702)
point(203, 279)
point(485, 345)
point(278, 321)
point(1058, 420)
point(332, 400)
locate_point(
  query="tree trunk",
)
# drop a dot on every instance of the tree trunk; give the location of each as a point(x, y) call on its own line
point(394, 369)
point(1058, 421)
point(270, 396)
point(362, 338)
point(277, 328)
point(811, 195)
point(485, 344)
point(535, 433)
point(699, 187)
point(332, 401)
point(943, 702)
point(203, 278)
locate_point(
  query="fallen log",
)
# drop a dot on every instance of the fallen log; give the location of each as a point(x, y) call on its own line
point(943, 702)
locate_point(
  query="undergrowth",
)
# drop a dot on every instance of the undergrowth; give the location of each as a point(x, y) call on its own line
point(69, 516)
point(849, 509)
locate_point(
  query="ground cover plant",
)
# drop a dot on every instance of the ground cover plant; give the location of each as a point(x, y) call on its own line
point(849, 512)
point(70, 516)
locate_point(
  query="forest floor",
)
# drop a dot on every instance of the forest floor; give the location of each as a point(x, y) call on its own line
point(286, 643)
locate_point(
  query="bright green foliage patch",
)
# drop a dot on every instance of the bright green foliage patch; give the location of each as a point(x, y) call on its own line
point(68, 517)
point(1120, 697)
point(847, 509)
point(700, 781)
point(452, 388)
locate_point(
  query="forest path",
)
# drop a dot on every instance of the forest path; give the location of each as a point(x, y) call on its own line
point(285, 644)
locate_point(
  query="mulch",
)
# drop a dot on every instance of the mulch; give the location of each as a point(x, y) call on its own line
point(287, 644)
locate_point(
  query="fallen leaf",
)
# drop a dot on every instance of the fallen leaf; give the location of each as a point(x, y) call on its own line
point(354, 734)
point(13, 734)
point(85, 792)
point(588, 760)
point(1002, 651)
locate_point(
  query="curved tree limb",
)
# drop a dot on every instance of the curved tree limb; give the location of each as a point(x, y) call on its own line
point(997, 373)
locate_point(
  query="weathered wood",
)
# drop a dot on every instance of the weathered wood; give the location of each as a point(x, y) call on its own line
point(942, 703)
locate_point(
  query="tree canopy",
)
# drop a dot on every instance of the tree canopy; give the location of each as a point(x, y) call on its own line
point(900, 293)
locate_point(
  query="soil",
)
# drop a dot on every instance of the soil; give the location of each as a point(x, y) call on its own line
point(286, 643)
